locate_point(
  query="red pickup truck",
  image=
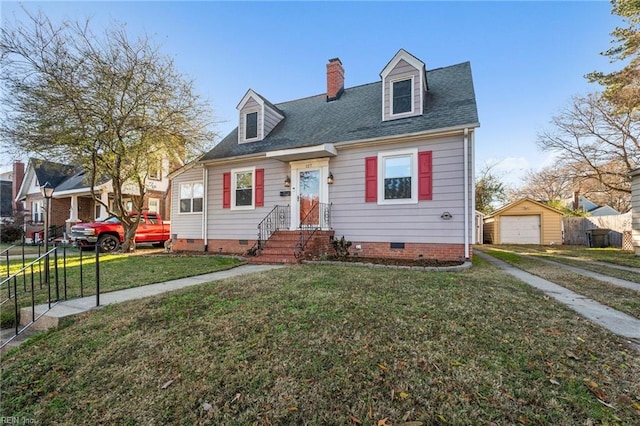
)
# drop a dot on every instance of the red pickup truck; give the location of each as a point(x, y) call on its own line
point(109, 234)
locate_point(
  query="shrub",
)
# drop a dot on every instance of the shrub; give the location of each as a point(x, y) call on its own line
point(9, 232)
point(341, 247)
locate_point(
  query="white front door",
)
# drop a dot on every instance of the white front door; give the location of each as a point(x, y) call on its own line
point(309, 188)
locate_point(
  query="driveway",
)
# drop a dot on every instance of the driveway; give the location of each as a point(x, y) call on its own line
point(615, 321)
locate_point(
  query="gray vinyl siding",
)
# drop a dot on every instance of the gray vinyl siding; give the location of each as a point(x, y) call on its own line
point(271, 120)
point(358, 220)
point(635, 211)
point(402, 70)
point(185, 225)
point(242, 224)
point(251, 104)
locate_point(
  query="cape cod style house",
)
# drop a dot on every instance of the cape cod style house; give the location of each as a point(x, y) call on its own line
point(388, 165)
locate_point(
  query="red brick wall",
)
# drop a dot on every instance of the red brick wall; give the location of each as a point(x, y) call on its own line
point(445, 252)
point(214, 246)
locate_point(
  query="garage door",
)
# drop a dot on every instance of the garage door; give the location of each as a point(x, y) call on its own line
point(520, 229)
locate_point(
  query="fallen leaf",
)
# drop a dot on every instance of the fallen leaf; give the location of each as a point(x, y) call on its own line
point(382, 367)
point(571, 355)
point(593, 388)
point(456, 363)
point(580, 339)
point(237, 397)
point(292, 408)
point(384, 422)
point(355, 420)
point(167, 384)
point(206, 406)
point(404, 395)
point(554, 381)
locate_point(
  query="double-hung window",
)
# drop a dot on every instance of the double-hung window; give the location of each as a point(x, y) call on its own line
point(191, 197)
point(242, 184)
point(402, 95)
point(37, 211)
point(397, 174)
point(251, 125)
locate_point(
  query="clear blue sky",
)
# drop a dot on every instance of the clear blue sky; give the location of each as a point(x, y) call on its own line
point(527, 58)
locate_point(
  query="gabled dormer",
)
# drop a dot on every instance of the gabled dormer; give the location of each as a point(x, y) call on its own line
point(404, 86)
point(257, 117)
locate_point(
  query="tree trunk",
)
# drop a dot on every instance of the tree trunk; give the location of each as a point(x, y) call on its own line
point(129, 244)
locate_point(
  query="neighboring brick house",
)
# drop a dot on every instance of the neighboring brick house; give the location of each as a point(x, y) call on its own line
point(388, 165)
point(72, 201)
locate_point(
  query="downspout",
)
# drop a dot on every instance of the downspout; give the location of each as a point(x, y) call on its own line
point(472, 151)
point(205, 208)
point(466, 191)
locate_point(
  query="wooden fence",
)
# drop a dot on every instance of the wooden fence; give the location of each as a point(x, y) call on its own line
point(575, 229)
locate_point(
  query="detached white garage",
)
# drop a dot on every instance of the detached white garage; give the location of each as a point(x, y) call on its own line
point(525, 221)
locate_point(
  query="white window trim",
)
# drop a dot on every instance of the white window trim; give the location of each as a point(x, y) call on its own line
point(413, 99)
point(180, 193)
point(414, 176)
point(234, 173)
point(157, 202)
point(37, 211)
point(258, 129)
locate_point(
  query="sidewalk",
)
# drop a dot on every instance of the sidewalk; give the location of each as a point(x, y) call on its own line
point(615, 321)
point(69, 308)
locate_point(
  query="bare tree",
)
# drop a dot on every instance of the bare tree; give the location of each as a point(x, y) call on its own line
point(598, 140)
point(490, 190)
point(107, 103)
point(548, 184)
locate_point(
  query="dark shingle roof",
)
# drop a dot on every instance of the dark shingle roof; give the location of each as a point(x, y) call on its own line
point(357, 115)
point(54, 173)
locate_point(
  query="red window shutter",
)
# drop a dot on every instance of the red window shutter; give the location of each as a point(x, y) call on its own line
point(226, 190)
point(371, 179)
point(259, 187)
point(425, 175)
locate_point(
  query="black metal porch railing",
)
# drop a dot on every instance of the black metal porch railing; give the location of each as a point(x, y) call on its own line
point(319, 217)
point(278, 218)
point(29, 285)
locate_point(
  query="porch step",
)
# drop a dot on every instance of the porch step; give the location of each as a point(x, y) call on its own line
point(280, 247)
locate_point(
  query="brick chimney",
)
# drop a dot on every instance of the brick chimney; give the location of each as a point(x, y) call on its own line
point(16, 181)
point(335, 79)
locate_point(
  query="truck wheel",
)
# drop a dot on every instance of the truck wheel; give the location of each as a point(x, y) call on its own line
point(108, 243)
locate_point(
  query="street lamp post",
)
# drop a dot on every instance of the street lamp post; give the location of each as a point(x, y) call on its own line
point(46, 191)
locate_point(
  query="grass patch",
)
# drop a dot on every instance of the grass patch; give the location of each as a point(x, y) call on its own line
point(317, 344)
point(620, 298)
point(608, 254)
point(117, 272)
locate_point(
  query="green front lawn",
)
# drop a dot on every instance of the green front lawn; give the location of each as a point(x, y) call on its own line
point(117, 272)
point(331, 345)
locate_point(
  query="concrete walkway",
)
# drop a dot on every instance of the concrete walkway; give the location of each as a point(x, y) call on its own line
point(69, 308)
point(615, 321)
point(586, 273)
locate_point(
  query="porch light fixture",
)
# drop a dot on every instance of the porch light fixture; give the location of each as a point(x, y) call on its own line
point(287, 182)
point(330, 179)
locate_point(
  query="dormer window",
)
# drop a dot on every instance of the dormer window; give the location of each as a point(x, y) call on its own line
point(252, 125)
point(404, 87)
point(258, 117)
point(402, 96)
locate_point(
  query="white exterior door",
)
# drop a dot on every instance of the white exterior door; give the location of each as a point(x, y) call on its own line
point(308, 188)
point(520, 229)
